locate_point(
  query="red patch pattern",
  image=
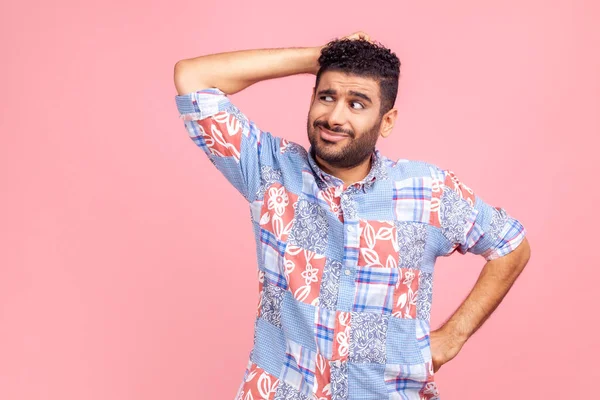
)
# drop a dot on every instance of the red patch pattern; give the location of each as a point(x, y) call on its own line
point(341, 336)
point(303, 271)
point(322, 386)
point(378, 244)
point(258, 384)
point(437, 189)
point(222, 134)
point(277, 213)
point(331, 195)
point(405, 293)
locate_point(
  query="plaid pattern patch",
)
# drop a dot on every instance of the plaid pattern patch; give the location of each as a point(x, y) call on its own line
point(422, 333)
point(352, 242)
point(411, 382)
point(273, 252)
point(412, 199)
point(375, 289)
point(399, 378)
point(299, 367)
point(512, 235)
point(324, 329)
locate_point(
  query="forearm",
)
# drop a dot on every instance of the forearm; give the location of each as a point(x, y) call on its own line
point(234, 71)
point(494, 282)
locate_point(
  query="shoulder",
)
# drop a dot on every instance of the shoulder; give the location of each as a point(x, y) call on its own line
point(409, 168)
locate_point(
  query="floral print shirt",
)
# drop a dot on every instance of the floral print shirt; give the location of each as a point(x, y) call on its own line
point(345, 273)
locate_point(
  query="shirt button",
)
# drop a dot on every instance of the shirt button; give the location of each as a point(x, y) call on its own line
point(347, 272)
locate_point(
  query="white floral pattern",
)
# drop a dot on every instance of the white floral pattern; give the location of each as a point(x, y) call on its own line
point(278, 200)
point(303, 271)
point(378, 244)
point(406, 293)
point(341, 339)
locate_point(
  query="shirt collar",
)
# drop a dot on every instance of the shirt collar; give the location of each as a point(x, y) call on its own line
point(324, 179)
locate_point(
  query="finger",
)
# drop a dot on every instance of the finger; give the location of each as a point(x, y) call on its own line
point(358, 36)
point(365, 36)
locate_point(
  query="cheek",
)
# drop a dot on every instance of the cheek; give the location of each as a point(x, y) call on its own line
point(311, 113)
point(317, 111)
point(366, 124)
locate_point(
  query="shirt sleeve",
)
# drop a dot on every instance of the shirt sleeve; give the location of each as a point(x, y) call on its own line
point(470, 224)
point(230, 140)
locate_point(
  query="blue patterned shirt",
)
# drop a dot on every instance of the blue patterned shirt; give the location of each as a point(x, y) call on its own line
point(345, 272)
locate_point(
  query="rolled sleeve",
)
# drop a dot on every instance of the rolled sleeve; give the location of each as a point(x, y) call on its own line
point(230, 140)
point(502, 236)
point(474, 226)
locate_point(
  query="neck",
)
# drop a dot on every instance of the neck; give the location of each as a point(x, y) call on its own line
point(347, 175)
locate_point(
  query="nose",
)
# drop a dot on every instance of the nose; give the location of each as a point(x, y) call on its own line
point(337, 115)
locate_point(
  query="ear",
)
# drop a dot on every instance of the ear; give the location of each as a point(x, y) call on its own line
point(387, 122)
point(312, 98)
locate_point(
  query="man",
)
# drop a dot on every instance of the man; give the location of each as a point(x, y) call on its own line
point(346, 238)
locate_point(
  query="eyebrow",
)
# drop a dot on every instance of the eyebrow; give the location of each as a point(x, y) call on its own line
point(333, 92)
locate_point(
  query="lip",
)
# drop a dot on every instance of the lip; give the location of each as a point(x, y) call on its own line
point(330, 136)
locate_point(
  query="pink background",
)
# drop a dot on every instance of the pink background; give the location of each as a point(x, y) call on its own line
point(127, 266)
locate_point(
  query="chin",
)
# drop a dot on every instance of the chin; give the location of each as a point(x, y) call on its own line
point(329, 153)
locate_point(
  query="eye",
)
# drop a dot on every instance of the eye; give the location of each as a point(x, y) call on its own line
point(357, 105)
point(327, 98)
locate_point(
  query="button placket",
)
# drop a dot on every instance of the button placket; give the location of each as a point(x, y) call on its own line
point(351, 248)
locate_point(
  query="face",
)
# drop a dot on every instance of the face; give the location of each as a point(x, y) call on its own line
point(344, 120)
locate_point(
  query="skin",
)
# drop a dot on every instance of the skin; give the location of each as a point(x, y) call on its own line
point(234, 71)
point(494, 282)
point(351, 106)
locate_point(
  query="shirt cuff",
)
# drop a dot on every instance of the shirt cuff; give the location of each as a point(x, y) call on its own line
point(201, 104)
point(513, 236)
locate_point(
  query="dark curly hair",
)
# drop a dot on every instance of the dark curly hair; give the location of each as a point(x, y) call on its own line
point(362, 58)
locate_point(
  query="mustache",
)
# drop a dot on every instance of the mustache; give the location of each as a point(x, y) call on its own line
point(325, 125)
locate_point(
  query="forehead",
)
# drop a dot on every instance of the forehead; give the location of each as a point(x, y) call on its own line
point(342, 82)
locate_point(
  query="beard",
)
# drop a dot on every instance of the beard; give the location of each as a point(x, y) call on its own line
point(352, 153)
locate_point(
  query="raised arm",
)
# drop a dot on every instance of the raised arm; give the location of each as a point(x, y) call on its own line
point(233, 142)
point(234, 71)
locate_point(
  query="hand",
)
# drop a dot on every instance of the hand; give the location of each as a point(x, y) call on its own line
point(444, 347)
point(359, 36)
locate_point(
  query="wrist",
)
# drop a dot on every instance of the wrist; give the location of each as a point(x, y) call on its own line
point(454, 335)
point(316, 53)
